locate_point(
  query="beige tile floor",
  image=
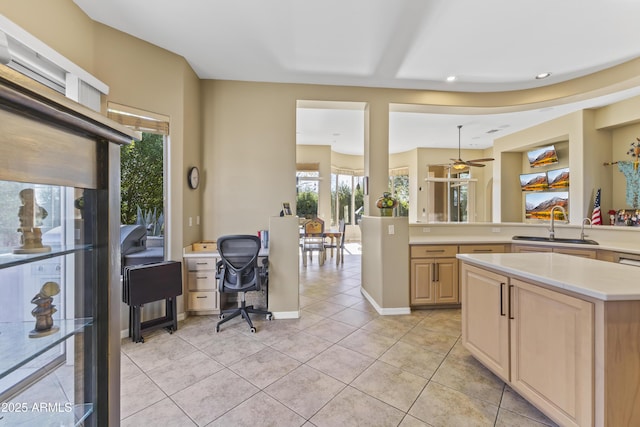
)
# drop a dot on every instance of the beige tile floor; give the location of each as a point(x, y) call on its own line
point(339, 364)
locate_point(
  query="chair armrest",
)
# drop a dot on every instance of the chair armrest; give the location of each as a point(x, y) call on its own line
point(219, 266)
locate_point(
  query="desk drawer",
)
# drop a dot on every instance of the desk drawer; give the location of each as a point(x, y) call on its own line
point(202, 280)
point(196, 264)
point(201, 301)
point(431, 251)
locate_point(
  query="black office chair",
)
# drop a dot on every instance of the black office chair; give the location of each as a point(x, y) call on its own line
point(238, 272)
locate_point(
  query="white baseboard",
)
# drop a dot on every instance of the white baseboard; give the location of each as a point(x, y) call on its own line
point(125, 332)
point(286, 314)
point(385, 311)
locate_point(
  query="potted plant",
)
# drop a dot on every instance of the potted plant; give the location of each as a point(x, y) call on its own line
point(386, 203)
point(154, 224)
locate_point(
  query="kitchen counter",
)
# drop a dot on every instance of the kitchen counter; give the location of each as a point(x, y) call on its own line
point(607, 245)
point(602, 280)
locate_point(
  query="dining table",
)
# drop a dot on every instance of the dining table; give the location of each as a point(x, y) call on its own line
point(335, 238)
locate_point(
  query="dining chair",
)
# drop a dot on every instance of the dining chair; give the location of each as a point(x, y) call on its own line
point(313, 240)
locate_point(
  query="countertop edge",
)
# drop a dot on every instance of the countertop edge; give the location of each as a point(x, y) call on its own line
point(499, 263)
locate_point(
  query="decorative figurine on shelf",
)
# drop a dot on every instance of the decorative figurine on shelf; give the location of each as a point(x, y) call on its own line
point(44, 310)
point(79, 204)
point(612, 217)
point(31, 216)
point(634, 151)
point(386, 203)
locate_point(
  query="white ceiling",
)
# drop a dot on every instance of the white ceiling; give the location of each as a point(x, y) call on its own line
point(490, 45)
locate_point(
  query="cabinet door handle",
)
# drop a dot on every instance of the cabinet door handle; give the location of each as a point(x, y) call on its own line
point(202, 277)
point(510, 303)
point(502, 299)
point(436, 267)
point(433, 272)
point(200, 297)
point(434, 250)
point(482, 250)
point(202, 263)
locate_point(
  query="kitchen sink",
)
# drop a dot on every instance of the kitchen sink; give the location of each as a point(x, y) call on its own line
point(555, 240)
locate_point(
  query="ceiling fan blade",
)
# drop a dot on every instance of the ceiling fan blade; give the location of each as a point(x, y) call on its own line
point(488, 159)
point(480, 165)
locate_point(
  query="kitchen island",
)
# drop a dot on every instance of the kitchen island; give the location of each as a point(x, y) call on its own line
point(563, 331)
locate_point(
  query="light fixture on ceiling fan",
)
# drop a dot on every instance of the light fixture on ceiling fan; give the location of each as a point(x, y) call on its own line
point(459, 164)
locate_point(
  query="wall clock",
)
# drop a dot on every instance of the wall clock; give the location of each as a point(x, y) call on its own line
point(194, 177)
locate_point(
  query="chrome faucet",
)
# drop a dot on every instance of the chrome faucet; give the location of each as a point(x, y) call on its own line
point(582, 235)
point(552, 230)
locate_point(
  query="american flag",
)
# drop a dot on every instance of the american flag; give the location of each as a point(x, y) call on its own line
point(596, 216)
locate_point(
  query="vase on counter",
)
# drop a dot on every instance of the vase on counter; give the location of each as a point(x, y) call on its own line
point(386, 203)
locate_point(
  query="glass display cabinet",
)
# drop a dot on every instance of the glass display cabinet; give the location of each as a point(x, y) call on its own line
point(59, 259)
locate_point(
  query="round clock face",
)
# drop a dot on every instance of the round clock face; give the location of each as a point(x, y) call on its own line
point(194, 177)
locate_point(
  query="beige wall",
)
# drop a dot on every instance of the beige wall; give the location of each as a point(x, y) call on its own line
point(622, 119)
point(261, 116)
point(59, 23)
point(594, 137)
point(621, 141)
point(416, 160)
point(123, 62)
point(347, 161)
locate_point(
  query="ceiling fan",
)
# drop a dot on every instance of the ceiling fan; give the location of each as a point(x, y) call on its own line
point(460, 164)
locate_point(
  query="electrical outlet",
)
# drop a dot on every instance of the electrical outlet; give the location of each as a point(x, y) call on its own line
point(495, 229)
point(426, 230)
point(190, 221)
point(392, 229)
point(198, 220)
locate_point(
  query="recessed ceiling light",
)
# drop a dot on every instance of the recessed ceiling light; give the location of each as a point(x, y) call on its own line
point(451, 78)
point(542, 76)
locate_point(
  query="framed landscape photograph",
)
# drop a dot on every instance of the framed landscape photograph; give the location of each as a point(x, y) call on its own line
point(533, 181)
point(558, 178)
point(538, 205)
point(542, 156)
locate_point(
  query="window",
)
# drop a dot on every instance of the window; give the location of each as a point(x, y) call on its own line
point(399, 185)
point(347, 196)
point(307, 193)
point(459, 198)
point(143, 166)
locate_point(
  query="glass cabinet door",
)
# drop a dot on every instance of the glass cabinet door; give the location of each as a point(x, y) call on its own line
point(47, 287)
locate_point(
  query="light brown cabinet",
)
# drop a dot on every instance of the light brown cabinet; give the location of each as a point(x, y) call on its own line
point(518, 248)
point(203, 295)
point(492, 248)
point(586, 253)
point(485, 324)
point(551, 343)
point(434, 275)
point(574, 357)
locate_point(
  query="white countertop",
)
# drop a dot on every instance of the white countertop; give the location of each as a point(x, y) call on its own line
point(603, 280)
